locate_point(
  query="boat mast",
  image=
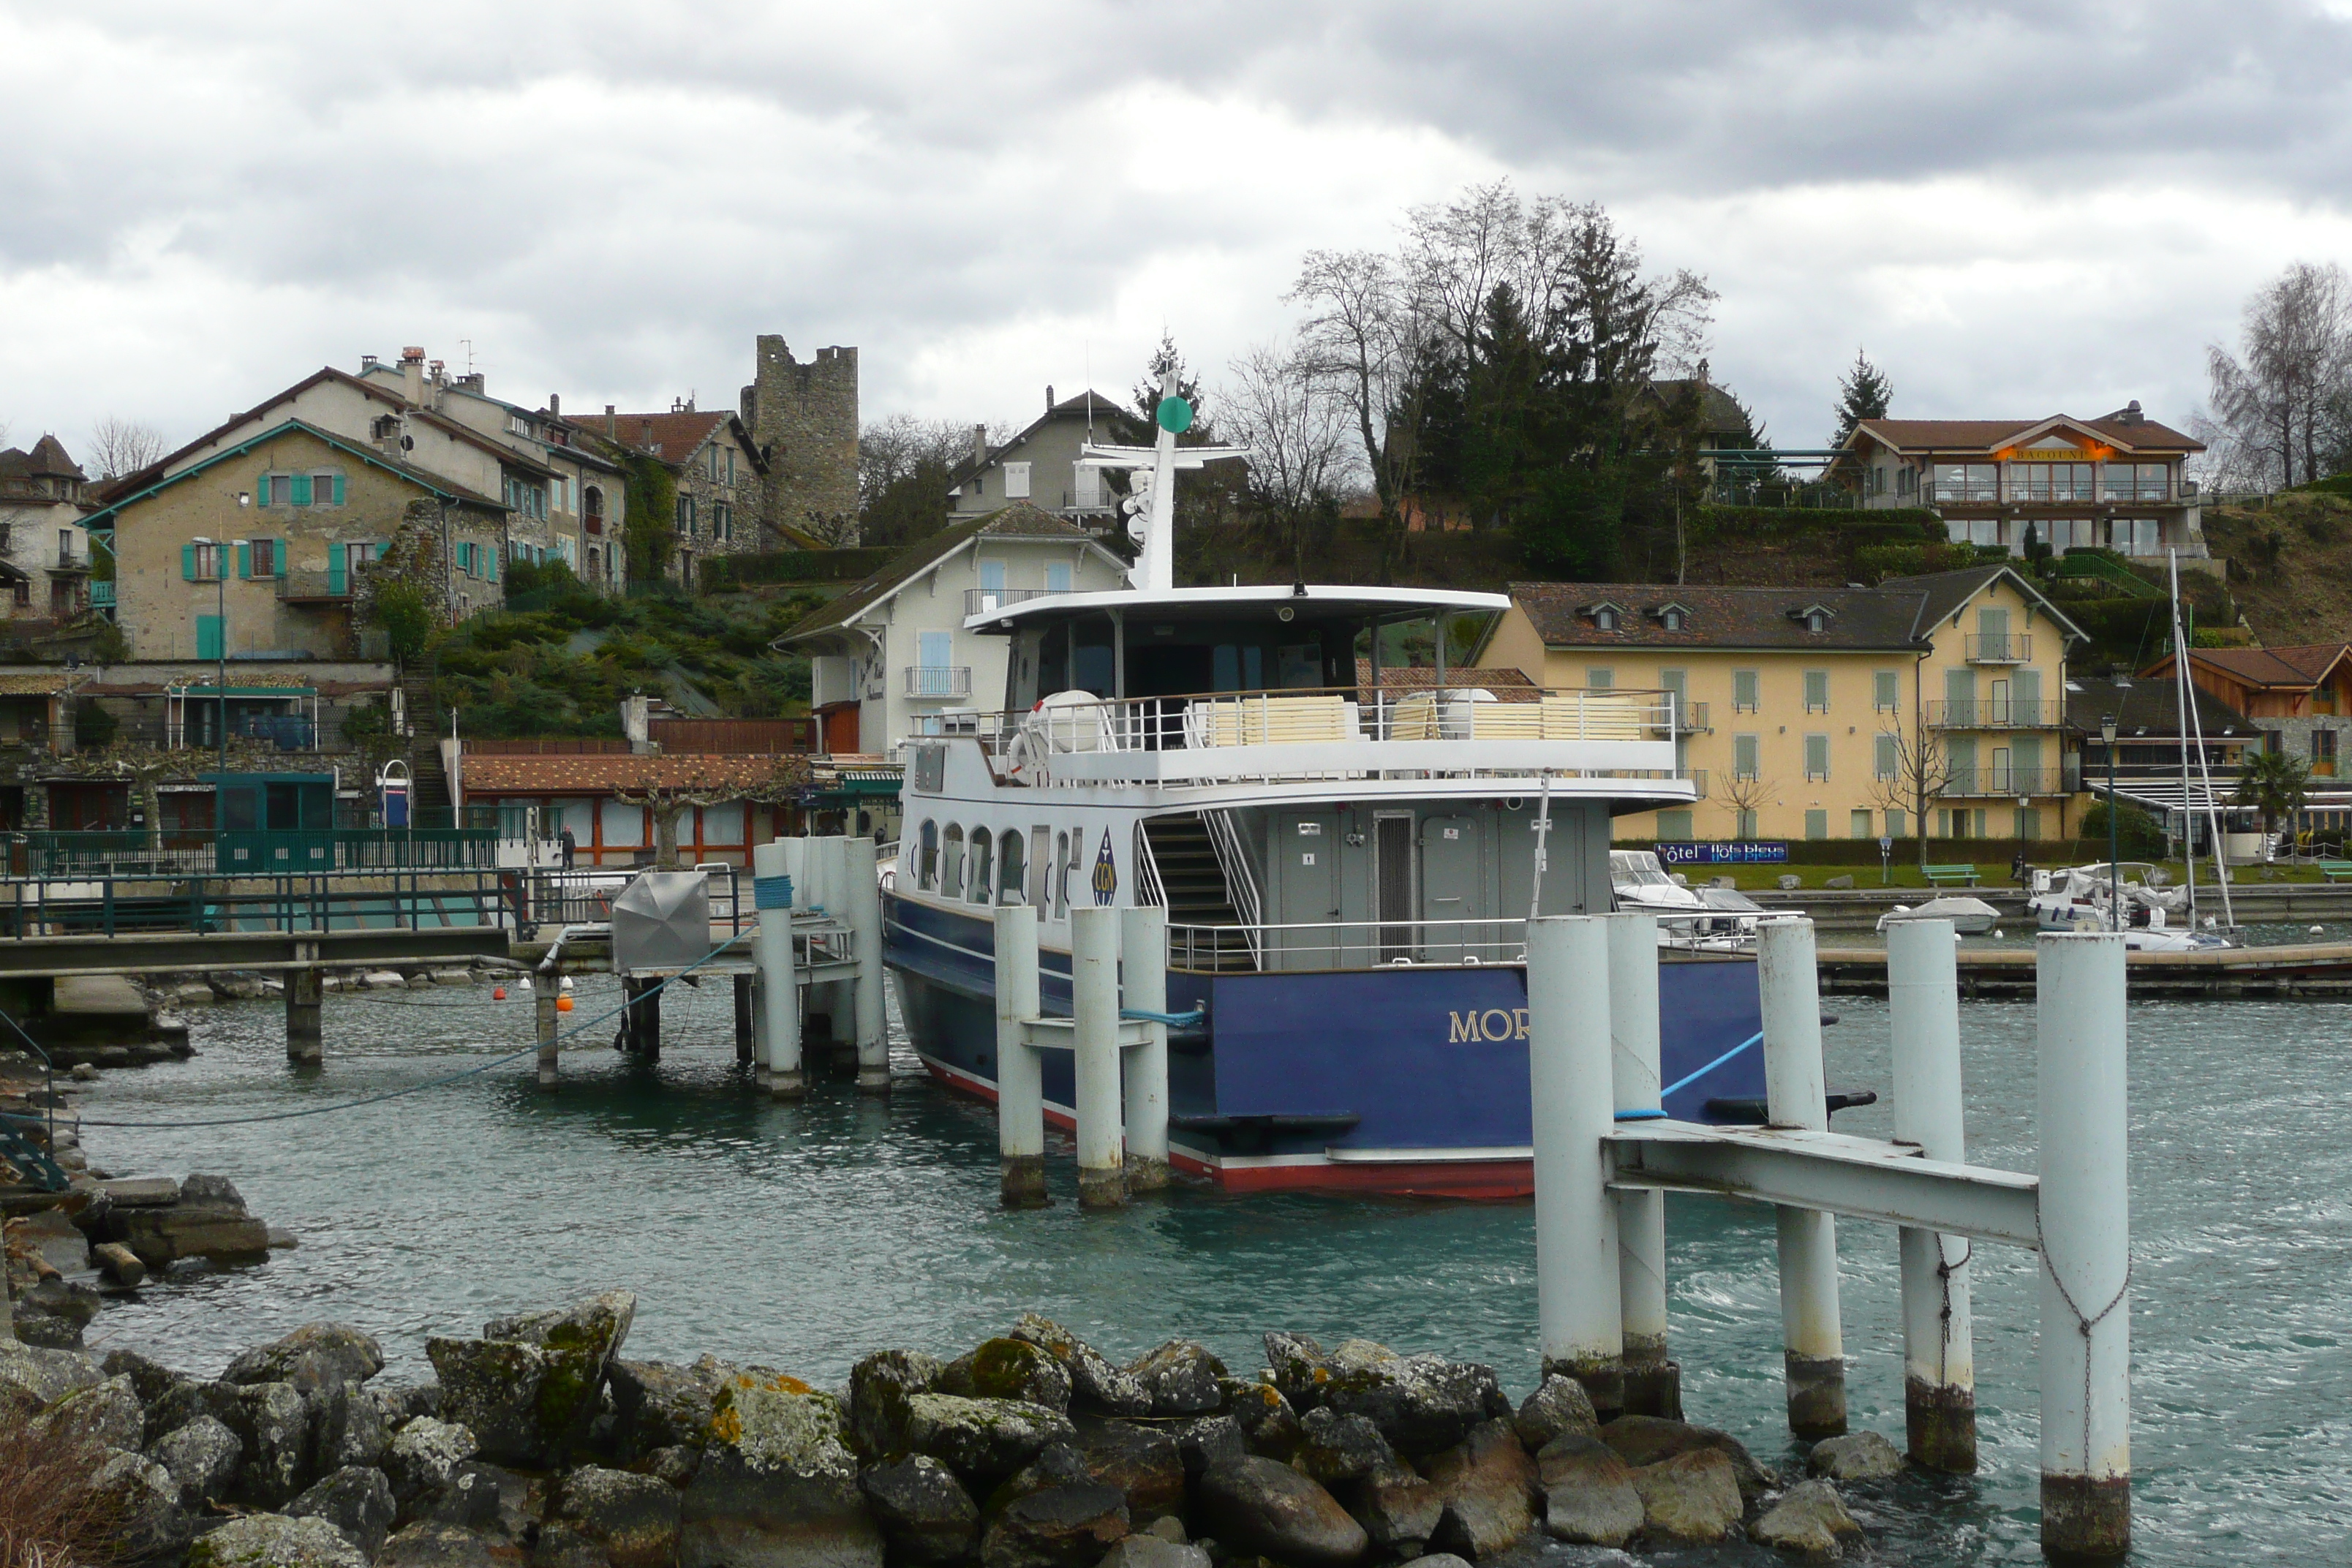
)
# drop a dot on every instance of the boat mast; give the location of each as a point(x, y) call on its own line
point(2195, 723)
point(2184, 702)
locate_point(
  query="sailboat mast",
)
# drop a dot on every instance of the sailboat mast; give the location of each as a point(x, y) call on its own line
point(2204, 766)
point(2182, 697)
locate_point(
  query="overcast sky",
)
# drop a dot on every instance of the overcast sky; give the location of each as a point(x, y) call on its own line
point(2017, 208)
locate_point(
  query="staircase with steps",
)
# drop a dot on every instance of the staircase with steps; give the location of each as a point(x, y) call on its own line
point(1195, 883)
point(429, 802)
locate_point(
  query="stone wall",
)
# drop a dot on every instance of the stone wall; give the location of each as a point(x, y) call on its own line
point(804, 417)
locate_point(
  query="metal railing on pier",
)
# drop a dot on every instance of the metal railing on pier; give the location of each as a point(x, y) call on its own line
point(135, 851)
point(110, 904)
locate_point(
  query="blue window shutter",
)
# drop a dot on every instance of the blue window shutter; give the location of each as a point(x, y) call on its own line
point(244, 560)
point(339, 489)
point(187, 564)
point(278, 556)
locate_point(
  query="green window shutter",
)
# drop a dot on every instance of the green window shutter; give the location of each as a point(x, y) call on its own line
point(302, 490)
point(187, 564)
point(339, 489)
point(261, 491)
point(278, 556)
point(244, 560)
point(335, 571)
point(493, 573)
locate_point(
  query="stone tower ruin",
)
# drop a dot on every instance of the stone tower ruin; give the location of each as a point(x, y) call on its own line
point(804, 419)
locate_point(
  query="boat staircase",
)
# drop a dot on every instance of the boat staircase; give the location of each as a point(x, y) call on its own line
point(1184, 862)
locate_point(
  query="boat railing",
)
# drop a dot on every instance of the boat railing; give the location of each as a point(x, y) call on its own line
point(1241, 880)
point(1346, 944)
point(1327, 732)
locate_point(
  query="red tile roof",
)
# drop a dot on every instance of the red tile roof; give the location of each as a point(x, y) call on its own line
point(2296, 668)
point(672, 437)
point(607, 774)
point(1424, 678)
point(1990, 434)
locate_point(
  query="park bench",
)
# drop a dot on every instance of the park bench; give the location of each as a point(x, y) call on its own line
point(2335, 870)
point(1955, 875)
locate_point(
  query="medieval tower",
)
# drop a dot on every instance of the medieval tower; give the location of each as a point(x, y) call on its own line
point(804, 419)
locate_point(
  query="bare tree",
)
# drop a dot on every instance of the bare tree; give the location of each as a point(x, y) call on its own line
point(119, 447)
point(1361, 339)
point(2279, 407)
point(1297, 439)
point(1921, 774)
point(1746, 794)
point(709, 782)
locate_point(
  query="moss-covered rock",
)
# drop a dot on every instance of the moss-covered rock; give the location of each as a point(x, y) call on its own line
point(982, 1440)
point(1095, 1382)
point(274, 1541)
point(1008, 1368)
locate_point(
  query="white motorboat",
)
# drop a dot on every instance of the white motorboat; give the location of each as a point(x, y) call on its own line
point(1970, 916)
point(2078, 899)
point(1693, 920)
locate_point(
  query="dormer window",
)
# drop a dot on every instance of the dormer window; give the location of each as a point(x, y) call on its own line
point(1671, 618)
point(1812, 617)
point(1606, 618)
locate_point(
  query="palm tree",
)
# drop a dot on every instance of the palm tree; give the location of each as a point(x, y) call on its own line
point(2273, 784)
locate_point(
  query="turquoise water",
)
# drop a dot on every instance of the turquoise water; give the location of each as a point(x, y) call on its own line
point(805, 1237)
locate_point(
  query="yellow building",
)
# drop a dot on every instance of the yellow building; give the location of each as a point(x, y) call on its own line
point(1811, 713)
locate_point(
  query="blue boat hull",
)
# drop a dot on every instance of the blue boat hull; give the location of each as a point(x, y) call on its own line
point(1401, 1080)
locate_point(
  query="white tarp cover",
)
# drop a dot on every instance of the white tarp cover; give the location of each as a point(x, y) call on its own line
point(661, 921)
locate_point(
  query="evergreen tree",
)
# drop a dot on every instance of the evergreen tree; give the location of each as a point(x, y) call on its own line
point(1863, 393)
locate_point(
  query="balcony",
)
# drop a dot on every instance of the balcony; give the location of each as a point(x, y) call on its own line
point(1999, 713)
point(2006, 784)
point(1697, 776)
point(66, 561)
point(102, 595)
point(2000, 647)
point(988, 601)
point(1975, 492)
point(939, 681)
point(1689, 719)
point(314, 587)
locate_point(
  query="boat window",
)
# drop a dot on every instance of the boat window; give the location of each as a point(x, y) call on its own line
point(1094, 663)
point(951, 863)
point(1058, 892)
point(1041, 862)
point(981, 859)
point(1235, 669)
point(1053, 660)
point(1008, 868)
point(1071, 866)
point(1301, 665)
point(927, 858)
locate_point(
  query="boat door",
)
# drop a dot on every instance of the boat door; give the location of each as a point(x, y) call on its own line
point(1305, 890)
point(1449, 887)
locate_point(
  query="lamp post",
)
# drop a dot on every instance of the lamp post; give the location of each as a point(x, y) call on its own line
point(2115, 880)
point(219, 548)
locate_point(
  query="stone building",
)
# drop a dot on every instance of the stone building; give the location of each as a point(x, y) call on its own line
point(44, 540)
point(802, 417)
point(716, 469)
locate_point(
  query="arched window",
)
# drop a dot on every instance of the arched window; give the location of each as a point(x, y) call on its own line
point(591, 508)
point(951, 867)
point(1008, 869)
point(1058, 892)
point(982, 882)
point(927, 858)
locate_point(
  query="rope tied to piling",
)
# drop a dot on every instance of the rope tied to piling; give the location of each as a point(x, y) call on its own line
point(2083, 1324)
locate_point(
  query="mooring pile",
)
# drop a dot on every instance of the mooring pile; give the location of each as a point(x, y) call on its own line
point(542, 1442)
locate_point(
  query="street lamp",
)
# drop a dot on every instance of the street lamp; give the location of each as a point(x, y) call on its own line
point(2115, 880)
point(220, 651)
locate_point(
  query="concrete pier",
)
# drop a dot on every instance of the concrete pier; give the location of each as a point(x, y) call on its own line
point(306, 1041)
point(1653, 1381)
point(779, 1024)
point(1939, 1404)
point(1020, 1079)
point(861, 908)
point(1796, 1097)
point(1094, 1038)
point(543, 995)
point(1578, 1304)
point(1143, 986)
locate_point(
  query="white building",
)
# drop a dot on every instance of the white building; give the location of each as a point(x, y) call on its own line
point(890, 656)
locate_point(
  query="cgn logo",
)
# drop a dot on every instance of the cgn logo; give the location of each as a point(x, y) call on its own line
point(1106, 879)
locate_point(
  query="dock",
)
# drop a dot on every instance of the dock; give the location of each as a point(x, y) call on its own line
point(2302, 970)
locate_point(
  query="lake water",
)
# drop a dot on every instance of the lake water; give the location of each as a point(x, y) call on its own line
point(806, 1235)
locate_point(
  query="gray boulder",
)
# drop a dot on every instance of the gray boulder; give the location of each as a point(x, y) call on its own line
point(149, 1379)
point(1397, 1508)
point(52, 1314)
point(1560, 1407)
point(623, 1520)
point(531, 1386)
point(1268, 1424)
point(149, 1524)
point(1300, 1369)
point(1422, 1404)
point(777, 1486)
point(405, 1402)
point(658, 1405)
point(184, 1401)
point(347, 1429)
point(1269, 1509)
point(1438, 1560)
point(1855, 1457)
point(1488, 1485)
point(163, 1236)
point(1061, 1527)
point(202, 1456)
point(1809, 1519)
point(1008, 1368)
point(1095, 1382)
point(1211, 1440)
point(1588, 1494)
point(1333, 1448)
point(1181, 1378)
point(313, 1357)
point(1143, 1464)
point(430, 1544)
point(107, 1416)
point(272, 1422)
point(33, 1378)
point(274, 1541)
point(1141, 1550)
point(983, 1439)
point(1643, 1440)
point(880, 1387)
point(595, 1326)
point(425, 1454)
point(356, 1500)
point(472, 1500)
point(927, 1515)
point(1056, 1465)
point(1692, 1499)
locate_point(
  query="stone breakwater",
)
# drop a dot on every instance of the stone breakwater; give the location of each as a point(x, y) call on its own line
point(540, 1446)
point(66, 1253)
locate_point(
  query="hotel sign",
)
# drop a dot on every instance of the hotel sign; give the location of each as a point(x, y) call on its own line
point(1730, 854)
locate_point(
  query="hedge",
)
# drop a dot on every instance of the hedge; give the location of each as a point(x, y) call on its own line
point(718, 573)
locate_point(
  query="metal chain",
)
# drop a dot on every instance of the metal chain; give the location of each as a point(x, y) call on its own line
point(2084, 1325)
point(1944, 1272)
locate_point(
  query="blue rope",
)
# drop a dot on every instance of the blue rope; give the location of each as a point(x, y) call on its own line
point(1641, 1116)
point(1755, 1039)
point(434, 1082)
point(1173, 1020)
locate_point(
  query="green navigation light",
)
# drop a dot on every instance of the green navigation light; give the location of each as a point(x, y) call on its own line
point(1175, 416)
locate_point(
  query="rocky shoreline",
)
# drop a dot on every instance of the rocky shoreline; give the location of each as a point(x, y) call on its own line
point(541, 1446)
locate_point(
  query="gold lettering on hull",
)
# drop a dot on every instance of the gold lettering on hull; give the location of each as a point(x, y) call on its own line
point(1491, 1023)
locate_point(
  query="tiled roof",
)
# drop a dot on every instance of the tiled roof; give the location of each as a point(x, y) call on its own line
point(672, 437)
point(1990, 435)
point(607, 773)
point(153, 479)
point(47, 461)
point(28, 683)
point(1424, 678)
point(1718, 617)
point(2150, 707)
point(1113, 420)
point(1019, 519)
point(2297, 668)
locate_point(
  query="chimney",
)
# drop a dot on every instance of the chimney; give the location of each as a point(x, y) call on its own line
point(1049, 397)
point(649, 431)
point(2132, 415)
point(367, 363)
point(612, 425)
point(979, 445)
point(412, 375)
point(556, 404)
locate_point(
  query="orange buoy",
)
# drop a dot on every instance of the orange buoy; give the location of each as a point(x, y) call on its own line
point(563, 1004)
point(499, 995)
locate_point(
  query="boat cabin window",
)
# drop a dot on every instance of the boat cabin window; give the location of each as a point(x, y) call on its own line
point(982, 886)
point(951, 866)
point(1180, 657)
point(1071, 656)
point(927, 858)
point(1008, 868)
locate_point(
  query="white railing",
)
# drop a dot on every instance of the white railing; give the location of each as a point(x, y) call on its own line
point(1150, 889)
point(1240, 880)
point(984, 601)
point(939, 681)
point(1351, 944)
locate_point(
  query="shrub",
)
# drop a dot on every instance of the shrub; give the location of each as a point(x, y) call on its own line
point(400, 609)
point(2138, 836)
point(49, 1516)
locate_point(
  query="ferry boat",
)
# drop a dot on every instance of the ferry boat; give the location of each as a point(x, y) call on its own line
point(1346, 871)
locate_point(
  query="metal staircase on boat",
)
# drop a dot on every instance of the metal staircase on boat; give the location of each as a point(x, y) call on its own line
point(1192, 884)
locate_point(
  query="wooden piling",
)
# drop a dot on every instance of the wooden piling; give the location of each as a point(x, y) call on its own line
point(543, 997)
point(743, 1018)
point(305, 1042)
